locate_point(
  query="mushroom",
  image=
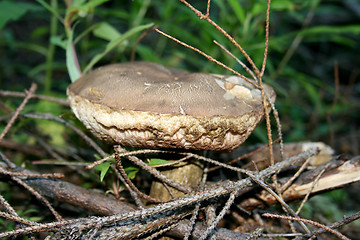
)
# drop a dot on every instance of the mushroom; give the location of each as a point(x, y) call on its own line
point(143, 104)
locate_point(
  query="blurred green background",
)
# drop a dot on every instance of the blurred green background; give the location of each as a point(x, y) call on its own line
point(307, 38)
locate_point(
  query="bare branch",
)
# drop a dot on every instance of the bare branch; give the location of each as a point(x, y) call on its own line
point(34, 175)
point(208, 57)
point(60, 101)
point(266, 38)
point(126, 215)
point(231, 39)
point(18, 110)
point(312, 188)
point(155, 172)
point(75, 129)
point(38, 196)
point(208, 8)
point(337, 224)
point(16, 218)
point(303, 220)
point(131, 186)
point(227, 206)
point(7, 206)
point(237, 59)
point(100, 161)
point(337, 174)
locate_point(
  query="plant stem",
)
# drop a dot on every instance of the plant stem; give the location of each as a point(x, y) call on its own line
point(51, 50)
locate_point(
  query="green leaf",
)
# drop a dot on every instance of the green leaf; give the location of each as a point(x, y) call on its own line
point(258, 8)
point(106, 31)
point(12, 11)
point(131, 171)
point(58, 41)
point(354, 29)
point(157, 161)
point(317, 31)
point(50, 9)
point(86, 32)
point(114, 43)
point(83, 8)
point(283, 5)
point(103, 168)
point(78, 2)
point(71, 58)
point(238, 10)
point(311, 90)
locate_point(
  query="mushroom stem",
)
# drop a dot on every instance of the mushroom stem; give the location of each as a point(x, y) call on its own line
point(187, 173)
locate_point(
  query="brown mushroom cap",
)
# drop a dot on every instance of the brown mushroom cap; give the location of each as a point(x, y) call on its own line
point(144, 104)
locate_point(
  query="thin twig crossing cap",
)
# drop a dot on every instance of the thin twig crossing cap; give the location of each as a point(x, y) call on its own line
point(143, 104)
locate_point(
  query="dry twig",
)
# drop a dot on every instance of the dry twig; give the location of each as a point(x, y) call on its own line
point(38, 196)
point(223, 189)
point(60, 101)
point(335, 225)
point(155, 172)
point(338, 234)
point(72, 127)
point(131, 186)
point(18, 110)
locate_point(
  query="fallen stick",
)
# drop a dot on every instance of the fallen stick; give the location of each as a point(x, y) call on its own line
point(337, 174)
point(68, 192)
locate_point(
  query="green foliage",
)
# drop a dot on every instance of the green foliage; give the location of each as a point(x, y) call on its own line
point(54, 130)
point(74, 12)
point(131, 171)
point(25, 214)
point(71, 58)
point(12, 11)
point(114, 43)
point(84, 7)
point(103, 168)
point(157, 161)
point(326, 205)
point(105, 31)
point(29, 214)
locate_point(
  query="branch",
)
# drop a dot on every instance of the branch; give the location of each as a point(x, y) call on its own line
point(337, 174)
point(60, 101)
point(133, 219)
point(18, 110)
point(90, 200)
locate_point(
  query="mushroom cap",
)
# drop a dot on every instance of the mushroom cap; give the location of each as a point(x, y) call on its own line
point(143, 104)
